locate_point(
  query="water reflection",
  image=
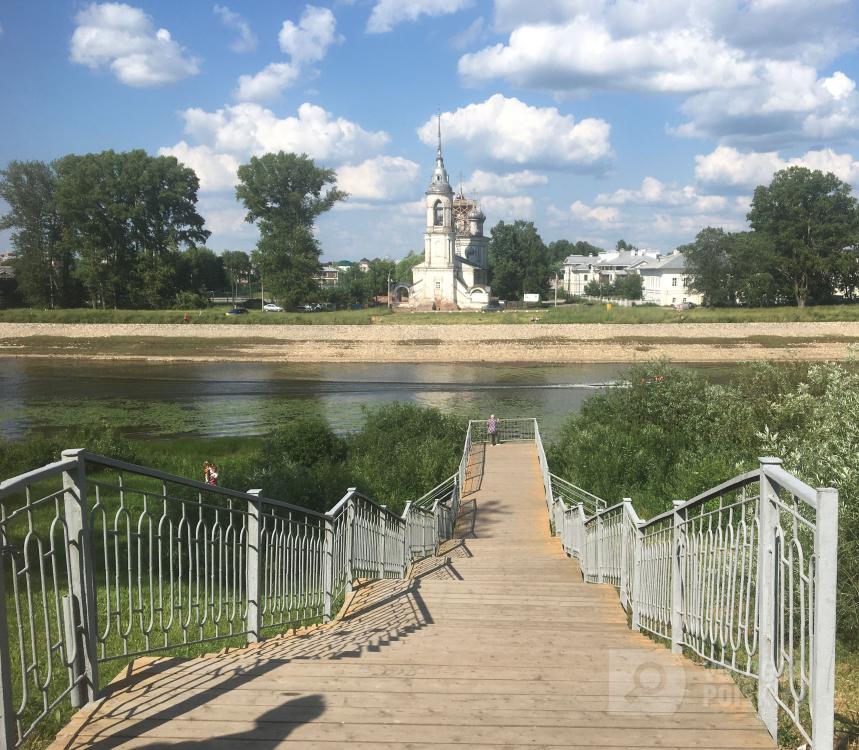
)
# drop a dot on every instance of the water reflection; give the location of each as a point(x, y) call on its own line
point(236, 398)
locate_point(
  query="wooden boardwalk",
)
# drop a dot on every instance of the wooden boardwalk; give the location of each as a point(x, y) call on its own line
point(496, 642)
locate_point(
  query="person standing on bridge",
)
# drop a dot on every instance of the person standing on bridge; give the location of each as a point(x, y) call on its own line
point(492, 428)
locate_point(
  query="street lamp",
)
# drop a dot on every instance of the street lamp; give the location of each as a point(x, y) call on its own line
point(390, 301)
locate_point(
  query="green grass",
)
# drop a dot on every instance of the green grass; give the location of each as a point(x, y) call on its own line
point(573, 313)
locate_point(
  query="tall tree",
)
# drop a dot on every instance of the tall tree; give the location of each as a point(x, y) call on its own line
point(518, 260)
point(202, 270)
point(237, 266)
point(403, 274)
point(43, 262)
point(128, 215)
point(811, 220)
point(708, 267)
point(283, 194)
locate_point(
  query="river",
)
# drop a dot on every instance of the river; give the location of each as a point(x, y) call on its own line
point(235, 398)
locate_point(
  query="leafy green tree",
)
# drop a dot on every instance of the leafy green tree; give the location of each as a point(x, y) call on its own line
point(630, 286)
point(624, 245)
point(202, 270)
point(709, 268)
point(237, 267)
point(753, 263)
point(128, 215)
point(283, 194)
point(518, 260)
point(403, 272)
point(43, 262)
point(811, 220)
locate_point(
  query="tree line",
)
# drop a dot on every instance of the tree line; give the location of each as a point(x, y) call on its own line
point(802, 248)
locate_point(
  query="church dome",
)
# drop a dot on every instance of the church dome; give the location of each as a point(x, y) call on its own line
point(476, 214)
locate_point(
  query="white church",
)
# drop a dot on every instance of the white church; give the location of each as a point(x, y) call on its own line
point(453, 274)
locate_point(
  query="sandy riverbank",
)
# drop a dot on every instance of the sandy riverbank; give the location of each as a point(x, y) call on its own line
point(687, 342)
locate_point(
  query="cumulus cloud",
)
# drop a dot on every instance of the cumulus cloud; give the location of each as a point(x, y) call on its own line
point(124, 40)
point(727, 167)
point(653, 192)
point(216, 171)
point(388, 13)
point(507, 207)
point(749, 67)
point(510, 183)
point(252, 129)
point(245, 40)
point(507, 130)
point(380, 178)
point(308, 40)
point(595, 214)
point(268, 84)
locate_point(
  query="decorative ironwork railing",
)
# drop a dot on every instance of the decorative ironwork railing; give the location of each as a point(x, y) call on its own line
point(742, 576)
point(102, 560)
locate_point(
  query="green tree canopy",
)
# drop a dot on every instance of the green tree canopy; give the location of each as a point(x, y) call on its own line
point(283, 194)
point(518, 260)
point(811, 220)
point(43, 263)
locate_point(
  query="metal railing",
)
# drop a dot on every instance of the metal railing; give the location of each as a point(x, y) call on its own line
point(742, 576)
point(102, 560)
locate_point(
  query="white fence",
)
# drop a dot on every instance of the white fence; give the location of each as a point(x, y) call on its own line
point(742, 576)
point(101, 560)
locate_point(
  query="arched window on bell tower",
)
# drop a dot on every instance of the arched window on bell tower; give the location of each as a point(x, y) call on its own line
point(438, 214)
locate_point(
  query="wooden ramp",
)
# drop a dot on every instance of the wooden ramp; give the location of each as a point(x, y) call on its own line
point(494, 643)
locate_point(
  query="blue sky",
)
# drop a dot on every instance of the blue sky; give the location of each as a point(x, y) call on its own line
point(641, 119)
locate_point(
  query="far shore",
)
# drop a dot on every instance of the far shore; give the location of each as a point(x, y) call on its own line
point(537, 343)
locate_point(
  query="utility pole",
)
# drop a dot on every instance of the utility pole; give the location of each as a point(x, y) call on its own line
point(556, 288)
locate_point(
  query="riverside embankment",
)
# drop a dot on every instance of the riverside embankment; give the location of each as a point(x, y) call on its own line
point(503, 343)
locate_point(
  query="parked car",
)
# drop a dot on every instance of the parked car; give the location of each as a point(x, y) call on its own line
point(271, 307)
point(491, 307)
point(237, 311)
point(684, 305)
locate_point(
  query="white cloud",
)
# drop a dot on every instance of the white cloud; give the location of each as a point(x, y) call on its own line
point(729, 168)
point(268, 84)
point(122, 38)
point(308, 40)
point(246, 40)
point(216, 171)
point(507, 207)
point(483, 182)
point(653, 192)
point(596, 214)
point(508, 130)
point(388, 13)
point(248, 129)
point(750, 67)
point(380, 178)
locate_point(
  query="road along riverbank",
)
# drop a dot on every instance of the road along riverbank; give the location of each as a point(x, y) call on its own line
point(538, 343)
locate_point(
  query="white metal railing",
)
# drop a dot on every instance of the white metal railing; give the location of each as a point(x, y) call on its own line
point(742, 576)
point(102, 560)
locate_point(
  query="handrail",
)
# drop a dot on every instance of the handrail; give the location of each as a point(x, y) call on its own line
point(137, 561)
point(742, 575)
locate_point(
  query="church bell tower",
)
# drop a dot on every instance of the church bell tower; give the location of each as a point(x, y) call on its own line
point(439, 235)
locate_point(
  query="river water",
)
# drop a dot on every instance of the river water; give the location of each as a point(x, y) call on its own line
point(235, 398)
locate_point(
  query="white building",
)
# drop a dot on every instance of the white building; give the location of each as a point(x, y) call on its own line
point(665, 281)
point(453, 274)
point(580, 270)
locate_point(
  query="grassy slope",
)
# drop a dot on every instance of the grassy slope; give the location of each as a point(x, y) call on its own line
point(563, 314)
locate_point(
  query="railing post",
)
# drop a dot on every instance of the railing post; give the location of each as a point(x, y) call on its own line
point(598, 547)
point(625, 552)
point(252, 555)
point(638, 551)
point(74, 648)
point(678, 555)
point(823, 658)
point(8, 728)
point(349, 537)
point(81, 579)
point(582, 533)
point(768, 524)
point(327, 569)
point(382, 537)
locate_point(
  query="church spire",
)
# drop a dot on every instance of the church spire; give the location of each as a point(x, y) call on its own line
point(440, 183)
